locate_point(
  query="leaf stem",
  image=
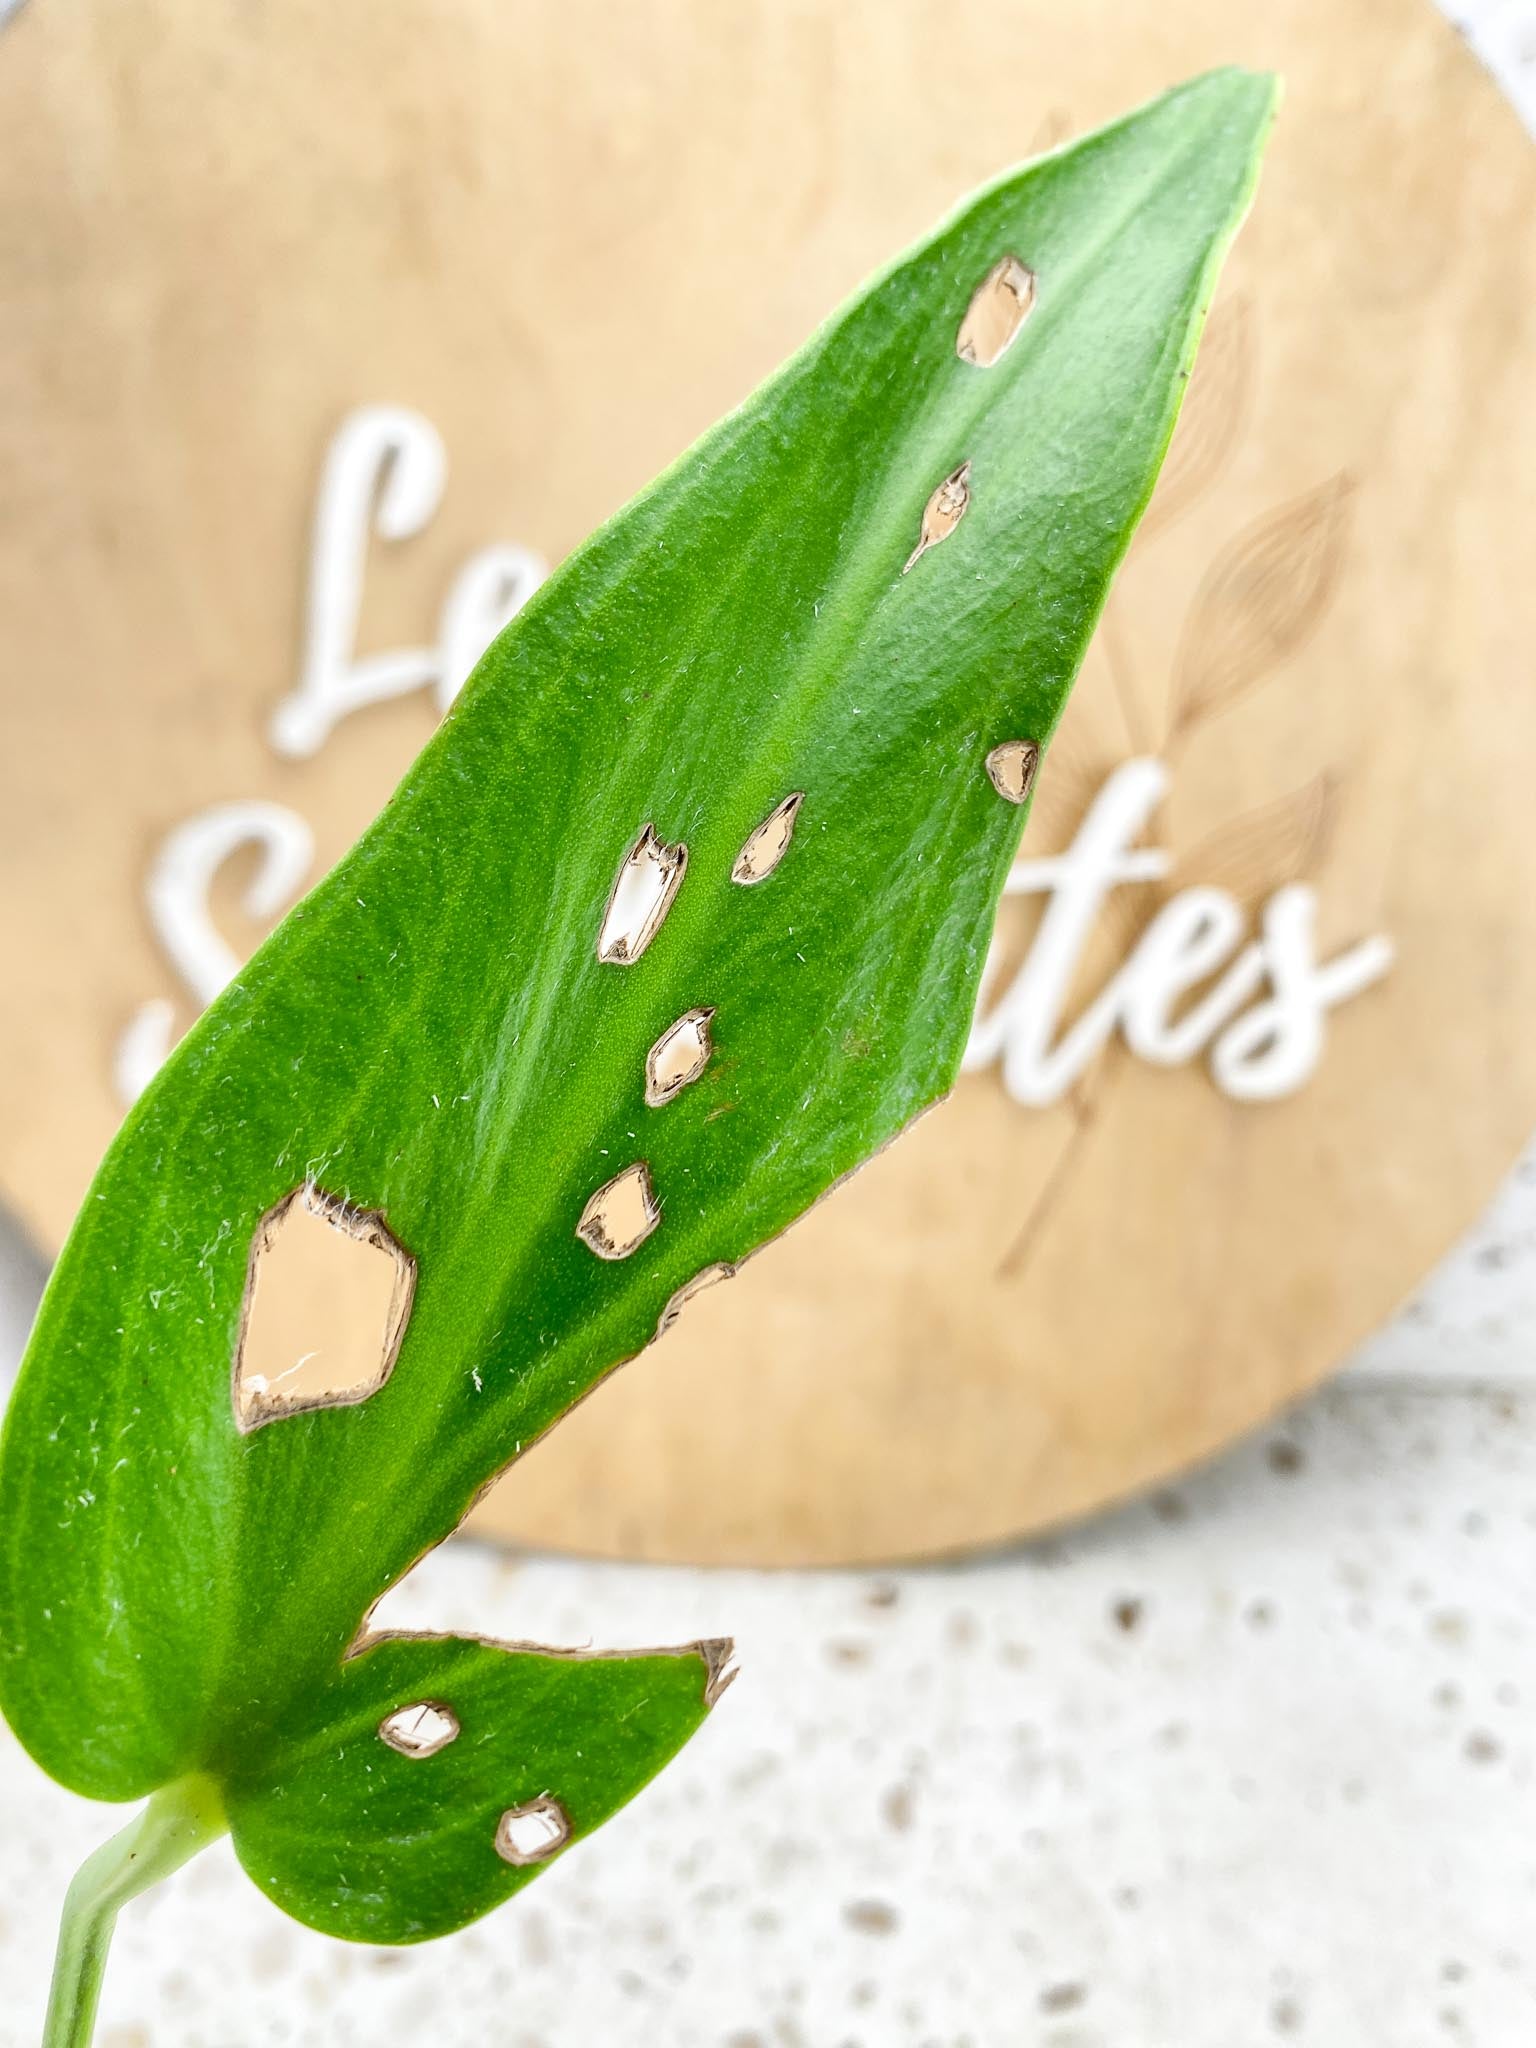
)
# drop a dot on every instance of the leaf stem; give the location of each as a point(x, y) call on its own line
point(179, 1820)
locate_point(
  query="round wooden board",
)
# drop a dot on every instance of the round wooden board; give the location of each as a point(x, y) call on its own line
point(570, 235)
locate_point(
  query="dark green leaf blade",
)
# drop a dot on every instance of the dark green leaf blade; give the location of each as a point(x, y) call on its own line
point(361, 1840)
point(433, 1036)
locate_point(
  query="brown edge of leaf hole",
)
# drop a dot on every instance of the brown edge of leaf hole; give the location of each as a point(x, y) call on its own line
point(547, 1807)
point(1012, 767)
point(1010, 278)
point(672, 863)
point(659, 1093)
point(707, 1276)
point(593, 1230)
point(369, 1226)
point(947, 505)
point(420, 1753)
point(743, 869)
point(716, 1653)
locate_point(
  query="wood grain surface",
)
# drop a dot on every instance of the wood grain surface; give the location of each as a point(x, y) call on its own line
point(570, 236)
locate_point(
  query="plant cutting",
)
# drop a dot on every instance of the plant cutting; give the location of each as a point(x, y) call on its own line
point(677, 919)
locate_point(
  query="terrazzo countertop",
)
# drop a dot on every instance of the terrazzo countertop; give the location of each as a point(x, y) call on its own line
point(1251, 1762)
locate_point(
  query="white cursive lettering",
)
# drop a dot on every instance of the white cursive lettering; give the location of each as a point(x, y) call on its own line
point(1259, 1050)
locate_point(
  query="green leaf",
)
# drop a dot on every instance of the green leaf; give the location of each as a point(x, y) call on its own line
point(432, 1036)
point(362, 1840)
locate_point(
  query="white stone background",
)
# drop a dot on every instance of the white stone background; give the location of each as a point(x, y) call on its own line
point(1251, 1763)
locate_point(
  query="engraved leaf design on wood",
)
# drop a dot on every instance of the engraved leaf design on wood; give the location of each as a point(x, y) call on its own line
point(1211, 423)
point(1260, 600)
point(1055, 126)
point(1250, 857)
point(1262, 850)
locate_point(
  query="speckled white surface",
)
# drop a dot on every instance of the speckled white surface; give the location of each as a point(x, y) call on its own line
point(1473, 1322)
point(1250, 1763)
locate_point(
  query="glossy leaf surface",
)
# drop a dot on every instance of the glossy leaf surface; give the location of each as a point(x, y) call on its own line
point(881, 570)
point(363, 1841)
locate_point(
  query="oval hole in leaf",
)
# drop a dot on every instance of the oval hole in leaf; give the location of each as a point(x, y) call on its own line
point(679, 1056)
point(768, 844)
point(531, 1833)
point(999, 307)
point(621, 1215)
point(943, 513)
point(328, 1294)
point(420, 1730)
point(1012, 767)
point(643, 891)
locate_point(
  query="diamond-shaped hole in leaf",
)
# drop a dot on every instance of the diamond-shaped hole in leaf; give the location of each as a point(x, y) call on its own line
point(421, 1729)
point(943, 513)
point(328, 1294)
point(621, 1215)
point(531, 1833)
point(999, 307)
point(648, 880)
point(769, 843)
point(679, 1056)
point(1012, 767)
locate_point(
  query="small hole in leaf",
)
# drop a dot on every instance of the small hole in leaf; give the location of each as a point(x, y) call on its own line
point(621, 1215)
point(531, 1833)
point(648, 879)
point(679, 1056)
point(328, 1294)
point(709, 1277)
point(420, 1730)
point(942, 513)
point(1012, 768)
point(999, 307)
point(767, 846)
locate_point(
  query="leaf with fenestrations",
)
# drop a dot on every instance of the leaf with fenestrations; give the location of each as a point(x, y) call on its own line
point(677, 919)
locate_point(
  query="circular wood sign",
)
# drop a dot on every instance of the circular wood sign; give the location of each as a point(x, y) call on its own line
point(325, 329)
